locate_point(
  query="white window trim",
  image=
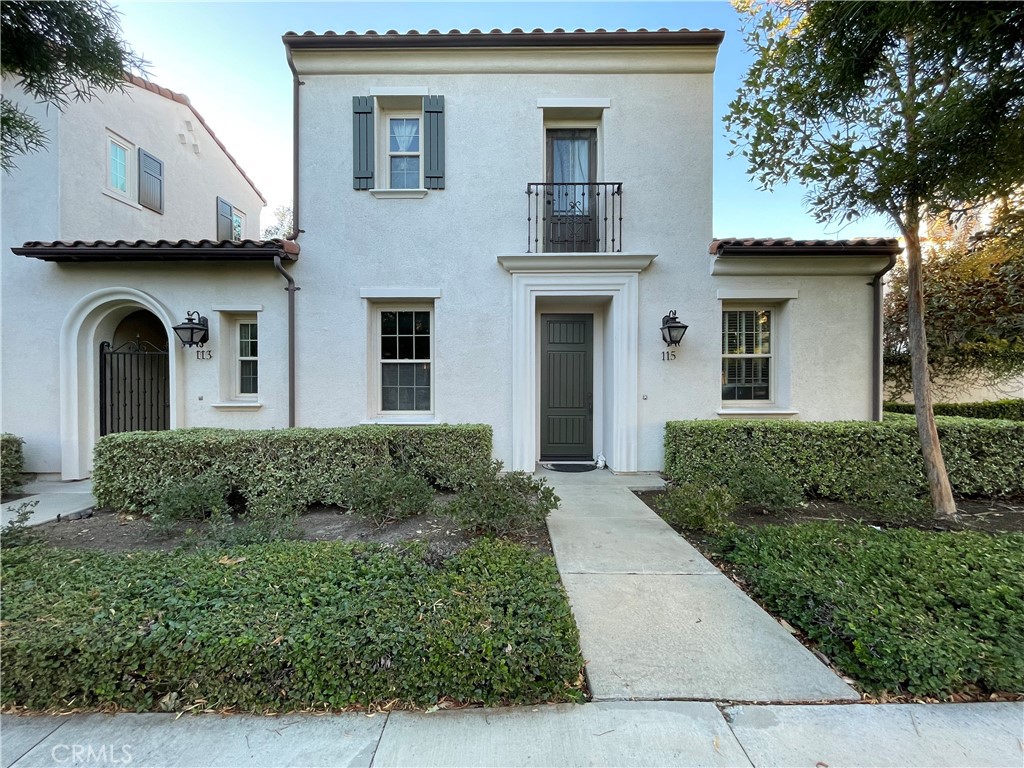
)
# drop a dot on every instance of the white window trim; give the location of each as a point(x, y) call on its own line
point(773, 356)
point(131, 195)
point(385, 154)
point(377, 414)
point(232, 398)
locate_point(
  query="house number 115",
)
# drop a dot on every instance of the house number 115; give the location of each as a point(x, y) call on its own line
point(669, 354)
point(204, 354)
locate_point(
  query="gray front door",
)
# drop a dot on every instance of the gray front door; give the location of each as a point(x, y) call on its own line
point(567, 388)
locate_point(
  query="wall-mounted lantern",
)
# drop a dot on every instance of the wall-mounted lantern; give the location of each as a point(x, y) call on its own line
point(194, 332)
point(672, 331)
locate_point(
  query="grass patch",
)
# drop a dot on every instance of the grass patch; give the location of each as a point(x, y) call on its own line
point(913, 611)
point(285, 626)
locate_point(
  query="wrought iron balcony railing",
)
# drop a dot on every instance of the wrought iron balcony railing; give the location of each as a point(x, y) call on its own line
point(580, 217)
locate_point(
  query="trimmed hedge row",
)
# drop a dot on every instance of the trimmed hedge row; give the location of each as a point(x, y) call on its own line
point(289, 625)
point(898, 610)
point(994, 409)
point(298, 466)
point(839, 460)
point(12, 462)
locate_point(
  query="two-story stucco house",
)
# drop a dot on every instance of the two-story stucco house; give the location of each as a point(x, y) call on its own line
point(87, 345)
point(495, 227)
point(506, 228)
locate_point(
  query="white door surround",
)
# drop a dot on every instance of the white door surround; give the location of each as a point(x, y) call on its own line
point(620, 370)
point(89, 322)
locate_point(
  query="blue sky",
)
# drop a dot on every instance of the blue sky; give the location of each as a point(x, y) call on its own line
point(227, 57)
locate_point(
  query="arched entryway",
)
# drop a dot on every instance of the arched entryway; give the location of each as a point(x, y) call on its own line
point(116, 316)
point(134, 376)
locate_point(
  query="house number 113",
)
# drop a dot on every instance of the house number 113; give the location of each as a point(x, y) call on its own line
point(204, 354)
point(669, 354)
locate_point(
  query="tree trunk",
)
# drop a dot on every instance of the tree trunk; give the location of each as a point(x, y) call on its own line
point(935, 466)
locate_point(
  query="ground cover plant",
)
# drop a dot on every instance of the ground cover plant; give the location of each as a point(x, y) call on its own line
point(286, 625)
point(901, 611)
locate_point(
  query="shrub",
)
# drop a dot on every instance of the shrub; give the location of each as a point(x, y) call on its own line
point(1012, 410)
point(285, 626)
point(12, 462)
point(194, 499)
point(827, 459)
point(386, 495)
point(898, 610)
point(499, 503)
point(16, 533)
point(305, 465)
point(760, 487)
point(698, 508)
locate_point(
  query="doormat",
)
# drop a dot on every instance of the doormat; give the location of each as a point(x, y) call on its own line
point(560, 467)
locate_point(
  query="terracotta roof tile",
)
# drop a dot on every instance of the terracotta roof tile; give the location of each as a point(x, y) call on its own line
point(181, 98)
point(789, 246)
point(159, 250)
point(498, 38)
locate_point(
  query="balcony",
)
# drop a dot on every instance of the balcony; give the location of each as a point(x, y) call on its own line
point(577, 217)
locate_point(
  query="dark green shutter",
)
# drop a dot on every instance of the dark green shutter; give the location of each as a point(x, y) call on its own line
point(151, 182)
point(224, 227)
point(433, 142)
point(362, 142)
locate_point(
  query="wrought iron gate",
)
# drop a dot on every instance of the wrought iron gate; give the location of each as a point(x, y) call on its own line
point(134, 388)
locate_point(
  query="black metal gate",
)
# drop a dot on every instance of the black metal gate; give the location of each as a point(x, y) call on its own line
point(134, 388)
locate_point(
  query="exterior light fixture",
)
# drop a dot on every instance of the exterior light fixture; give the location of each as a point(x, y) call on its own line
point(672, 331)
point(194, 332)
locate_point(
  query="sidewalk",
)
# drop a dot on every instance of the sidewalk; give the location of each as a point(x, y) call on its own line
point(656, 619)
point(53, 497)
point(599, 734)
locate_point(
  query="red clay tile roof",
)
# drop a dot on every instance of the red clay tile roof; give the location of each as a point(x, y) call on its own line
point(160, 250)
point(181, 98)
point(497, 38)
point(786, 246)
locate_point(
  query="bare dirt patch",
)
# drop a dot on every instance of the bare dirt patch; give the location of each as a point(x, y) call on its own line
point(108, 531)
point(1005, 516)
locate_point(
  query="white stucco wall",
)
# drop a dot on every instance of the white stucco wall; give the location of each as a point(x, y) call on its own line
point(58, 194)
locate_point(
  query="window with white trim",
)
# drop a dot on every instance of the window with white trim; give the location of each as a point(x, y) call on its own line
point(121, 170)
point(403, 165)
point(247, 379)
point(404, 336)
point(747, 362)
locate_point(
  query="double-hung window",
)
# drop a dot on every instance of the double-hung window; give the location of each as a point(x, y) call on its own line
point(403, 162)
point(247, 377)
point(398, 144)
point(747, 355)
point(405, 344)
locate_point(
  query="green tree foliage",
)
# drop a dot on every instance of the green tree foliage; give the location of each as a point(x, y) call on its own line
point(974, 308)
point(58, 52)
point(900, 108)
point(282, 226)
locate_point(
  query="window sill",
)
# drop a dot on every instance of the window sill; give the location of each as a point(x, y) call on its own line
point(122, 199)
point(757, 413)
point(240, 405)
point(394, 194)
point(425, 419)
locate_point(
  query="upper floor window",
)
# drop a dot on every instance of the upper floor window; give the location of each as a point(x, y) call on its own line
point(398, 144)
point(134, 175)
point(230, 221)
point(747, 355)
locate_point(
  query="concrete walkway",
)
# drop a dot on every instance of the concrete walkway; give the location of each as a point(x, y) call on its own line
point(664, 733)
point(656, 619)
point(53, 497)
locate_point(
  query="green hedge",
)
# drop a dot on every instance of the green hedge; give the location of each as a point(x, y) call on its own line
point(305, 466)
point(995, 409)
point(289, 625)
point(12, 462)
point(899, 610)
point(837, 460)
